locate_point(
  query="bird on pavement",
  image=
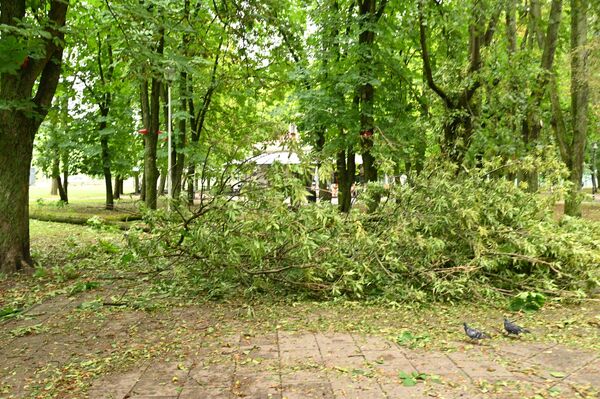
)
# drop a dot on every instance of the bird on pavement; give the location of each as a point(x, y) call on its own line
point(512, 328)
point(473, 333)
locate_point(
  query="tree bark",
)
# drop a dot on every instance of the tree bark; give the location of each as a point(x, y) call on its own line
point(117, 187)
point(369, 14)
point(197, 121)
point(19, 124)
point(178, 148)
point(460, 126)
point(151, 138)
point(105, 154)
point(345, 171)
point(579, 103)
point(56, 177)
point(532, 125)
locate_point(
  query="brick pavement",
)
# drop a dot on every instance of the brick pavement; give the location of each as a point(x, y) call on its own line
point(302, 365)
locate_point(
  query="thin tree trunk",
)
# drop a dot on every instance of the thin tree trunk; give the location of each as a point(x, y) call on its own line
point(178, 153)
point(136, 179)
point(162, 182)
point(110, 204)
point(345, 172)
point(151, 138)
point(54, 186)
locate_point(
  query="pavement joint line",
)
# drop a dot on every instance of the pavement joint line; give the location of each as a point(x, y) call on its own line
point(187, 377)
point(280, 367)
point(365, 359)
point(564, 379)
point(458, 367)
point(542, 351)
point(129, 393)
point(322, 361)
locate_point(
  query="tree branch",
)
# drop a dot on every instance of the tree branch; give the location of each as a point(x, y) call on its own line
point(426, 62)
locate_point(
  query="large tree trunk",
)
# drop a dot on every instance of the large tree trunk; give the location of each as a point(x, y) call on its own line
point(18, 126)
point(579, 103)
point(16, 146)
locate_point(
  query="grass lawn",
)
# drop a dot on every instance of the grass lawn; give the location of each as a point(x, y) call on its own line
point(86, 200)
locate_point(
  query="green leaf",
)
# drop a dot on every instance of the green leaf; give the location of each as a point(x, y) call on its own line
point(558, 374)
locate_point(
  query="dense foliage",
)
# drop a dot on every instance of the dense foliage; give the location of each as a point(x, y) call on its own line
point(438, 237)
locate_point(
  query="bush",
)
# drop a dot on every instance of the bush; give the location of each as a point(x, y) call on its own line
point(444, 236)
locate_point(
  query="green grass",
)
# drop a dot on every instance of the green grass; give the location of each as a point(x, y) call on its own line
point(85, 202)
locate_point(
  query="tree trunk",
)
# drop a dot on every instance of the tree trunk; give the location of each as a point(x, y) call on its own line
point(162, 182)
point(346, 169)
point(66, 177)
point(56, 177)
point(143, 188)
point(459, 128)
point(151, 138)
point(136, 179)
point(118, 187)
point(19, 124)
point(54, 186)
point(368, 17)
point(177, 153)
point(15, 160)
point(110, 204)
point(579, 103)
point(532, 123)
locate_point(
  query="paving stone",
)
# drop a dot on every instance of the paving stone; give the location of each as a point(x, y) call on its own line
point(205, 393)
point(373, 343)
point(479, 367)
point(435, 363)
point(295, 376)
point(115, 386)
point(339, 350)
point(590, 374)
point(161, 379)
point(389, 362)
point(562, 359)
point(259, 340)
point(258, 386)
point(294, 341)
point(152, 397)
point(213, 375)
point(307, 390)
point(521, 350)
point(395, 390)
point(346, 387)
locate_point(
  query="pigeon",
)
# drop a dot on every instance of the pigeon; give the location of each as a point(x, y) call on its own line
point(512, 328)
point(473, 333)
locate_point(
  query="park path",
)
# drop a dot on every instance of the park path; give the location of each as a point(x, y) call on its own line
point(299, 365)
point(202, 359)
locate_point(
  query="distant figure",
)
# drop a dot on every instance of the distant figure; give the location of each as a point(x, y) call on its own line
point(403, 179)
point(32, 172)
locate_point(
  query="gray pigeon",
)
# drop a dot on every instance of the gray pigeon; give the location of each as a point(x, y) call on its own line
point(512, 328)
point(473, 333)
